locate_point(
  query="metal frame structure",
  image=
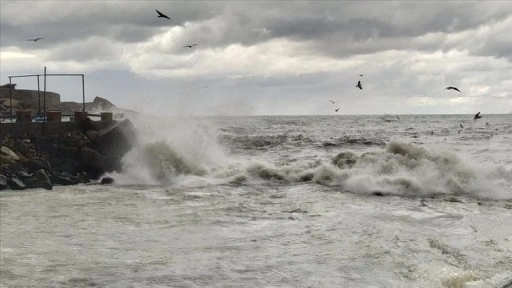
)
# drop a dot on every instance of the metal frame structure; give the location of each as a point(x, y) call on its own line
point(44, 91)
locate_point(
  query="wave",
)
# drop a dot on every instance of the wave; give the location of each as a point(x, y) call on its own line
point(400, 169)
point(195, 155)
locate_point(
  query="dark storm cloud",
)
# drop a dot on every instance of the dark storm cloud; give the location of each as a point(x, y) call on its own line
point(337, 28)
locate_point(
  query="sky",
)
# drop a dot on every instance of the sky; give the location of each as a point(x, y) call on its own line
point(267, 58)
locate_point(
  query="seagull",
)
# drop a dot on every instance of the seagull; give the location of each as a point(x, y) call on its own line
point(333, 102)
point(397, 117)
point(160, 14)
point(359, 85)
point(35, 39)
point(461, 125)
point(190, 46)
point(361, 75)
point(336, 110)
point(477, 116)
point(451, 88)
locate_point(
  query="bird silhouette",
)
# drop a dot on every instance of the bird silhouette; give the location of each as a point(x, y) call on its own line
point(336, 110)
point(190, 46)
point(333, 102)
point(477, 116)
point(451, 88)
point(361, 75)
point(35, 39)
point(359, 85)
point(461, 125)
point(162, 15)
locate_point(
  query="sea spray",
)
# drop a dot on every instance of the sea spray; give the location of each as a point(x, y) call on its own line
point(168, 147)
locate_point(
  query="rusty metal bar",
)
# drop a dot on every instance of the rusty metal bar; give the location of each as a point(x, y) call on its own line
point(10, 93)
point(38, 97)
point(83, 94)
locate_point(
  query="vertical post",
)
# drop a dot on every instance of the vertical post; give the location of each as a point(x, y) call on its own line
point(44, 101)
point(10, 93)
point(83, 94)
point(39, 97)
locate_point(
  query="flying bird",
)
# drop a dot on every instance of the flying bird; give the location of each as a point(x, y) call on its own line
point(336, 110)
point(361, 75)
point(190, 46)
point(451, 88)
point(162, 15)
point(461, 125)
point(359, 85)
point(333, 102)
point(35, 39)
point(477, 116)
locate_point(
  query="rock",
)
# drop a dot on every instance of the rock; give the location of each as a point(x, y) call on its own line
point(25, 148)
point(23, 174)
point(15, 183)
point(3, 182)
point(34, 164)
point(115, 141)
point(345, 160)
point(94, 160)
point(91, 134)
point(40, 179)
point(64, 180)
point(9, 153)
point(107, 180)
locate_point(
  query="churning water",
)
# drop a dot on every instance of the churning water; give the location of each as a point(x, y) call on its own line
point(279, 201)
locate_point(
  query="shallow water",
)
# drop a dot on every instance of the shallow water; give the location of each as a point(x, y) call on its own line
point(259, 202)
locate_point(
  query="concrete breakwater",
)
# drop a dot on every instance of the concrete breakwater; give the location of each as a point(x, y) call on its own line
point(61, 153)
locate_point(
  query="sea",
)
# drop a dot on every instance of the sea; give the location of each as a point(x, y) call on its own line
point(278, 201)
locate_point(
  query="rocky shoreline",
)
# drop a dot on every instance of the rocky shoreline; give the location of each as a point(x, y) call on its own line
point(70, 158)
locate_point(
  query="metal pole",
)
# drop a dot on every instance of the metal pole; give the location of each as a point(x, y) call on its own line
point(39, 97)
point(10, 93)
point(83, 94)
point(44, 101)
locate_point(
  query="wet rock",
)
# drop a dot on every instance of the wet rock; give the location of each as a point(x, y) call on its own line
point(345, 160)
point(3, 182)
point(91, 134)
point(9, 154)
point(307, 177)
point(93, 159)
point(34, 164)
point(15, 183)
point(64, 180)
point(40, 179)
point(107, 180)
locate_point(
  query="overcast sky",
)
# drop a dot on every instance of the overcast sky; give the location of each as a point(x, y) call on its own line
point(267, 58)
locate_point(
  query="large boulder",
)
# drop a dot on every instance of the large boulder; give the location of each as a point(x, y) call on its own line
point(94, 162)
point(114, 142)
point(15, 183)
point(40, 179)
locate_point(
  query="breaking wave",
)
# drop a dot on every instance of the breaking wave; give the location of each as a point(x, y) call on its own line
point(193, 153)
